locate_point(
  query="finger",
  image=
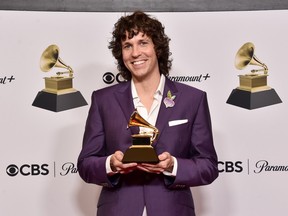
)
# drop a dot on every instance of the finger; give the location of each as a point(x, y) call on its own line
point(128, 170)
point(119, 155)
point(128, 165)
point(153, 169)
point(142, 168)
point(164, 156)
point(149, 170)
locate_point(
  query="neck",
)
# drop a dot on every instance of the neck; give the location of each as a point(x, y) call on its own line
point(147, 86)
point(146, 89)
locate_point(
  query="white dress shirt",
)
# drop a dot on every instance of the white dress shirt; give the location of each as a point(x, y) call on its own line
point(150, 117)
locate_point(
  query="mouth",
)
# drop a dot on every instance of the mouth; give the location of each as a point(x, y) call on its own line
point(138, 62)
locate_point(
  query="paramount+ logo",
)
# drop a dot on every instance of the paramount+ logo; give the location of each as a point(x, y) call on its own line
point(28, 170)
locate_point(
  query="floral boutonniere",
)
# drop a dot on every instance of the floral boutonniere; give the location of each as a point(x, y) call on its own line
point(169, 100)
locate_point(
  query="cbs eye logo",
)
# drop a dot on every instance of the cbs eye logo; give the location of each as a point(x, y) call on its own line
point(27, 169)
point(12, 170)
point(109, 78)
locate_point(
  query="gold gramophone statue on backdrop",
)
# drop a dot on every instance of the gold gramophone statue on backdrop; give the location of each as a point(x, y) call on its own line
point(59, 93)
point(141, 150)
point(253, 91)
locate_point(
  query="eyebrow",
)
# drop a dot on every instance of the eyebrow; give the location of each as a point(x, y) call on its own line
point(146, 39)
point(125, 43)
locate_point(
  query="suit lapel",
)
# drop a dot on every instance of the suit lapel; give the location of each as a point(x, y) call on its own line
point(164, 113)
point(124, 98)
point(125, 101)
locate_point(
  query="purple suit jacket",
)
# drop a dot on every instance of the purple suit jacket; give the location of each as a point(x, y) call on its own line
point(191, 143)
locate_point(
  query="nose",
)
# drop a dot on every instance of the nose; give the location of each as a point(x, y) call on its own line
point(136, 52)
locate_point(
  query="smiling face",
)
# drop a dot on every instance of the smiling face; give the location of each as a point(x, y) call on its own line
point(139, 56)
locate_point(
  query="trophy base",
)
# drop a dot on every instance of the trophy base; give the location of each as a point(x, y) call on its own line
point(252, 100)
point(143, 154)
point(57, 103)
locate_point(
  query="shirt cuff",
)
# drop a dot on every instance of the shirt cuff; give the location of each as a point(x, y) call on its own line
point(109, 171)
point(174, 171)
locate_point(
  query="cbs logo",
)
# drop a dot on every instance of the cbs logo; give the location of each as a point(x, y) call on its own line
point(109, 78)
point(27, 169)
point(230, 166)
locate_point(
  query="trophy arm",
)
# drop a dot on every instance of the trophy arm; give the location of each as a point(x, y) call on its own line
point(155, 135)
point(139, 121)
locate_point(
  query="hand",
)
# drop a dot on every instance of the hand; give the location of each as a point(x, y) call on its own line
point(166, 163)
point(117, 165)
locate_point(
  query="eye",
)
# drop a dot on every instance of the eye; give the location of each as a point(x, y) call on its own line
point(143, 43)
point(126, 46)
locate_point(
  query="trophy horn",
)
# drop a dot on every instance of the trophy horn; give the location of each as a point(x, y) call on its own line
point(245, 56)
point(50, 58)
point(137, 120)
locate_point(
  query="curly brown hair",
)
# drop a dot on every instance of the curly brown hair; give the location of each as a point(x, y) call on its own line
point(133, 24)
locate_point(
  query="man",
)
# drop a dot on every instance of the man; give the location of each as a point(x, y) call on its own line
point(184, 146)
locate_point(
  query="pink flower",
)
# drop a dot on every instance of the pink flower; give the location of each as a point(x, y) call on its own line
point(169, 100)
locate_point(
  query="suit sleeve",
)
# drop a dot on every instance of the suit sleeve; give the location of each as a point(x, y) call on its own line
point(92, 158)
point(201, 166)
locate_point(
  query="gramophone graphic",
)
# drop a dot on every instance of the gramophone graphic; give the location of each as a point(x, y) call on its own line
point(59, 93)
point(253, 91)
point(141, 150)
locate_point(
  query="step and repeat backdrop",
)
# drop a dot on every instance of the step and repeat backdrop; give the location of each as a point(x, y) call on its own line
point(41, 135)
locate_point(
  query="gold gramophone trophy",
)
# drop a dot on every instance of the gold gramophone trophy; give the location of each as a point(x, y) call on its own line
point(141, 150)
point(59, 93)
point(253, 91)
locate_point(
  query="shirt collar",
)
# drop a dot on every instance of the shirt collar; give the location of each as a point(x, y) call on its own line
point(159, 90)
